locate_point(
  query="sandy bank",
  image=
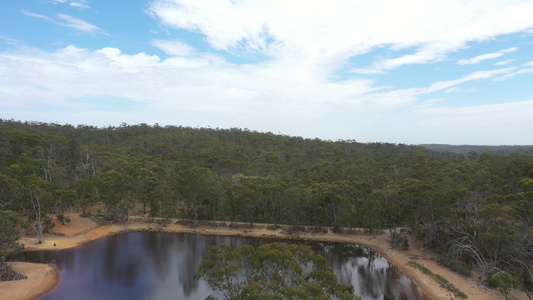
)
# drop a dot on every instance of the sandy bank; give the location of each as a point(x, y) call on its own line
point(42, 278)
point(74, 234)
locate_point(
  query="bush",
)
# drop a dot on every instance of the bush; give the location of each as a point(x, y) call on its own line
point(503, 282)
point(8, 274)
point(454, 264)
point(60, 217)
point(403, 242)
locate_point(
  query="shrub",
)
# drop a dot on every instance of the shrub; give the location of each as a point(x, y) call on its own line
point(503, 282)
point(403, 242)
point(454, 264)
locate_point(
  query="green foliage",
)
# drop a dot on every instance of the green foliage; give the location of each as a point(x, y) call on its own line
point(476, 206)
point(503, 282)
point(448, 286)
point(424, 270)
point(272, 271)
point(9, 234)
point(439, 279)
point(402, 242)
point(459, 266)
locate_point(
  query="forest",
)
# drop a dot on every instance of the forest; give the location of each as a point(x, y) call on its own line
point(473, 211)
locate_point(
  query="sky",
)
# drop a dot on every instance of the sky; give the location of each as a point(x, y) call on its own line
point(411, 71)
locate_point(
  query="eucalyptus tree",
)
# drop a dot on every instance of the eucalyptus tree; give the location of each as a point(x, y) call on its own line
point(10, 228)
point(41, 204)
point(86, 192)
point(146, 182)
point(523, 205)
point(10, 225)
point(268, 202)
point(113, 192)
point(394, 208)
point(272, 271)
point(10, 191)
point(201, 191)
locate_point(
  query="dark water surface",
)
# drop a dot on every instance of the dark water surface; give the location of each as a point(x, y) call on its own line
point(149, 265)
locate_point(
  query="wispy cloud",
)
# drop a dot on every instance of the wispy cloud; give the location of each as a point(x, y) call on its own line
point(308, 79)
point(442, 85)
point(79, 4)
point(174, 47)
point(480, 58)
point(10, 41)
point(187, 87)
point(367, 71)
point(504, 62)
point(78, 24)
point(313, 33)
point(67, 21)
point(513, 74)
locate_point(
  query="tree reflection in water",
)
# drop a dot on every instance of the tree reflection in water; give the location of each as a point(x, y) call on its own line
point(147, 265)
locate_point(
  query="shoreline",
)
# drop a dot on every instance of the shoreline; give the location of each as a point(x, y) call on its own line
point(42, 279)
point(378, 243)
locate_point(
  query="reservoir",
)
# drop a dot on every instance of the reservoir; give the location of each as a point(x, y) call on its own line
point(151, 265)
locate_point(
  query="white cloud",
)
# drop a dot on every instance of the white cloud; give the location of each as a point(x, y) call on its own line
point(30, 14)
point(430, 102)
point(480, 58)
point(182, 83)
point(174, 47)
point(200, 81)
point(443, 85)
point(75, 3)
point(504, 62)
point(368, 71)
point(10, 41)
point(76, 23)
point(513, 74)
point(79, 5)
point(197, 90)
point(420, 57)
point(297, 89)
point(67, 21)
point(314, 33)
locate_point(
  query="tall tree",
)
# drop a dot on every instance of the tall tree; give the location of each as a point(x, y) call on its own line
point(272, 271)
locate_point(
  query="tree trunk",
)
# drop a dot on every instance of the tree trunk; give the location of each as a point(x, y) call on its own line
point(37, 210)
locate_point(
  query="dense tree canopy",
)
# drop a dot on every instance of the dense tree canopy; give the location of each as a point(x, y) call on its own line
point(476, 209)
point(272, 271)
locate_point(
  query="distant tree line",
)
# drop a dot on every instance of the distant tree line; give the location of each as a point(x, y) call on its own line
point(475, 150)
point(476, 210)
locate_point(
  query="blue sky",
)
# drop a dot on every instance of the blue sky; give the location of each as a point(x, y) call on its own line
point(412, 71)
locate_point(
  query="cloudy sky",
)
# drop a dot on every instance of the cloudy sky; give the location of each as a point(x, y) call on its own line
point(411, 71)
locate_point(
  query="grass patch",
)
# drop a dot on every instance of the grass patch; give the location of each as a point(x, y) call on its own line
point(416, 265)
point(439, 279)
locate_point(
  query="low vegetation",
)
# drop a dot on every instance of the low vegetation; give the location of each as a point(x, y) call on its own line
point(439, 279)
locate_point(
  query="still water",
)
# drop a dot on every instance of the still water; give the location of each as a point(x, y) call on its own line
point(149, 265)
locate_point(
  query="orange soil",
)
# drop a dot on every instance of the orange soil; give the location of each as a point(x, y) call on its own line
point(81, 230)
